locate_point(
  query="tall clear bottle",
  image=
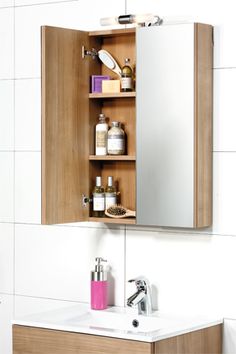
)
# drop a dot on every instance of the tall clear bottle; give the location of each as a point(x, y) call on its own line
point(126, 77)
point(110, 193)
point(101, 136)
point(98, 198)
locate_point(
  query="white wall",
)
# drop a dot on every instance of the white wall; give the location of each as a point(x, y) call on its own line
point(43, 267)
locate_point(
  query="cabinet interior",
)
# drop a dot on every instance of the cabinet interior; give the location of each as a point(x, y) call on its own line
point(117, 107)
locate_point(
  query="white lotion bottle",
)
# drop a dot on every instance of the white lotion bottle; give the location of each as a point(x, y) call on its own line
point(101, 136)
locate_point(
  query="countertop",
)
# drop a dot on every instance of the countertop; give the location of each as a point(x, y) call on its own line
point(117, 322)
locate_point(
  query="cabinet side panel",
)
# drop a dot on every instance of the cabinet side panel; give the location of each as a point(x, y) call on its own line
point(29, 340)
point(65, 135)
point(203, 124)
point(165, 125)
point(204, 341)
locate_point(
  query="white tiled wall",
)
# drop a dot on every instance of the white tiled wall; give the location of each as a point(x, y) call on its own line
point(6, 186)
point(28, 187)
point(6, 258)
point(7, 43)
point(7, 115)
point(6, 315)
point(62, 258)
point(28, 115)
point(44, 267)
point(229, 342)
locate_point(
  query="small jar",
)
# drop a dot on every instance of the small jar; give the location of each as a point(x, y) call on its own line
point(116, 140)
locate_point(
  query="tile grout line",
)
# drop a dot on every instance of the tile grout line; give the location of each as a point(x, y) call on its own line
point(157, 231)
point(45, 3)
point(14, 162)
point(50, 298)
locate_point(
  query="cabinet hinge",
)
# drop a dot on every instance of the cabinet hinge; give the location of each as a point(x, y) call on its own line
point(92, 53)
point(86, 200)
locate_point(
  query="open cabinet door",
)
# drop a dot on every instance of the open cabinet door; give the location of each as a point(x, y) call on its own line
point(65, 133)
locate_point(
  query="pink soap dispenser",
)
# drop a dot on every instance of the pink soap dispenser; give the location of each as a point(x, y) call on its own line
point(99, 286)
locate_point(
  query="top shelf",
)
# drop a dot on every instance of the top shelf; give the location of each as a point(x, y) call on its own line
point(113, 32)
point(112, 95)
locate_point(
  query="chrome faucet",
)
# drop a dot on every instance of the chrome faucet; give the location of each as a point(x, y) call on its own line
point(142, 297)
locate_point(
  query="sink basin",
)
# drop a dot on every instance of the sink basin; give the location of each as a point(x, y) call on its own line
point(117, 322)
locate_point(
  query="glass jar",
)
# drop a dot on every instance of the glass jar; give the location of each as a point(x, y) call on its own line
point(116, 140)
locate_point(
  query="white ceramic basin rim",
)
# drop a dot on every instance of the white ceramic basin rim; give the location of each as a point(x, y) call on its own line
point(121, 322)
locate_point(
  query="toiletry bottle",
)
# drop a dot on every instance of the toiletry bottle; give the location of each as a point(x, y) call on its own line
point(116, 140)
point(101, 136)
point(99, 286)
point(110, 193)
point(126, 77)
point(98, 198)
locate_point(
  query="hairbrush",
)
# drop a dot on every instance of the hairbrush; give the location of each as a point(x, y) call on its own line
point(118, 212)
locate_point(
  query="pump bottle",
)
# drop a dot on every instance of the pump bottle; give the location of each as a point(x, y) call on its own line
point(99, 286)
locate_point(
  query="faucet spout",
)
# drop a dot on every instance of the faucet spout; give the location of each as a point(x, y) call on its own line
point(134, 299)
point(142, 297)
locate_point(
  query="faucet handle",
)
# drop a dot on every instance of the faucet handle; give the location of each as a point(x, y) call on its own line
point(140, 282)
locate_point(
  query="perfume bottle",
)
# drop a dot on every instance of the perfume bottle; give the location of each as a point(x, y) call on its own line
point(110, 193)
point(98, 198)
point(126, 77)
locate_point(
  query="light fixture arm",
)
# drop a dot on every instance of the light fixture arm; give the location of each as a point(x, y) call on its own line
point(143, 20)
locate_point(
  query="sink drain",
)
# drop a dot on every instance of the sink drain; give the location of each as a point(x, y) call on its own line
point(135, 323)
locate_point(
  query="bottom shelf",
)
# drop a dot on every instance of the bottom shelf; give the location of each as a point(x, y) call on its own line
point(126, 221)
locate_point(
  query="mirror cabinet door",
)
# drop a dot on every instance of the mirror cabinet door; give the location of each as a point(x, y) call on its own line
point(166, 125)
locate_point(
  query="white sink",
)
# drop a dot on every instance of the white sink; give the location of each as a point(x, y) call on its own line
point(117, 322)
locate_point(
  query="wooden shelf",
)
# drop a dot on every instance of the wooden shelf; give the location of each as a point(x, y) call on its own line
point(112, 95)
point(112, 158)
point(113, 32)
point(127, 221)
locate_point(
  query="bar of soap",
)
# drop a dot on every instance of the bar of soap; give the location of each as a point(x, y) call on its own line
point(110, 86)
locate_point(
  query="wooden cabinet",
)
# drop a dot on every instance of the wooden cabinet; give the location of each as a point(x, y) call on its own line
point(31, 340)
point(69, 116)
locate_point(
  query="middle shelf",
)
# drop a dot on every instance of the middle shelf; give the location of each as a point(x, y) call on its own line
point(113, 95)
point(112, 158)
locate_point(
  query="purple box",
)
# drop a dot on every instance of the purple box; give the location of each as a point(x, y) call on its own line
point(97, 82)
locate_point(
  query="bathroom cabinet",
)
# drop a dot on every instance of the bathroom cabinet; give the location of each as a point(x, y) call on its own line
point(31, 340)
point(166, 173)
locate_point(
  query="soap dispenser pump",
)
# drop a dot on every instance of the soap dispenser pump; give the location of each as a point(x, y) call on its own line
point(99, 286)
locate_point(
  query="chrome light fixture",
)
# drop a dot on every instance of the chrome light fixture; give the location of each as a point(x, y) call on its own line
point(142, 20)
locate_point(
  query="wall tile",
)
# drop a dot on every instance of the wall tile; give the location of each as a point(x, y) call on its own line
point(6, 3)
point(7, 115)
point(224, 193)
point(76, 15)
point(6, 315)
point(28, 114)
point(55, 261)
point(6, 186)
point(25, 305)
point(33, 2)
point(189, 273)
point(224, 34)
point(224, 110)
point(28, 187)
point(182, 10)
point(6, 258)
point(222, 18)
point(7, 43)
point(229, 336)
